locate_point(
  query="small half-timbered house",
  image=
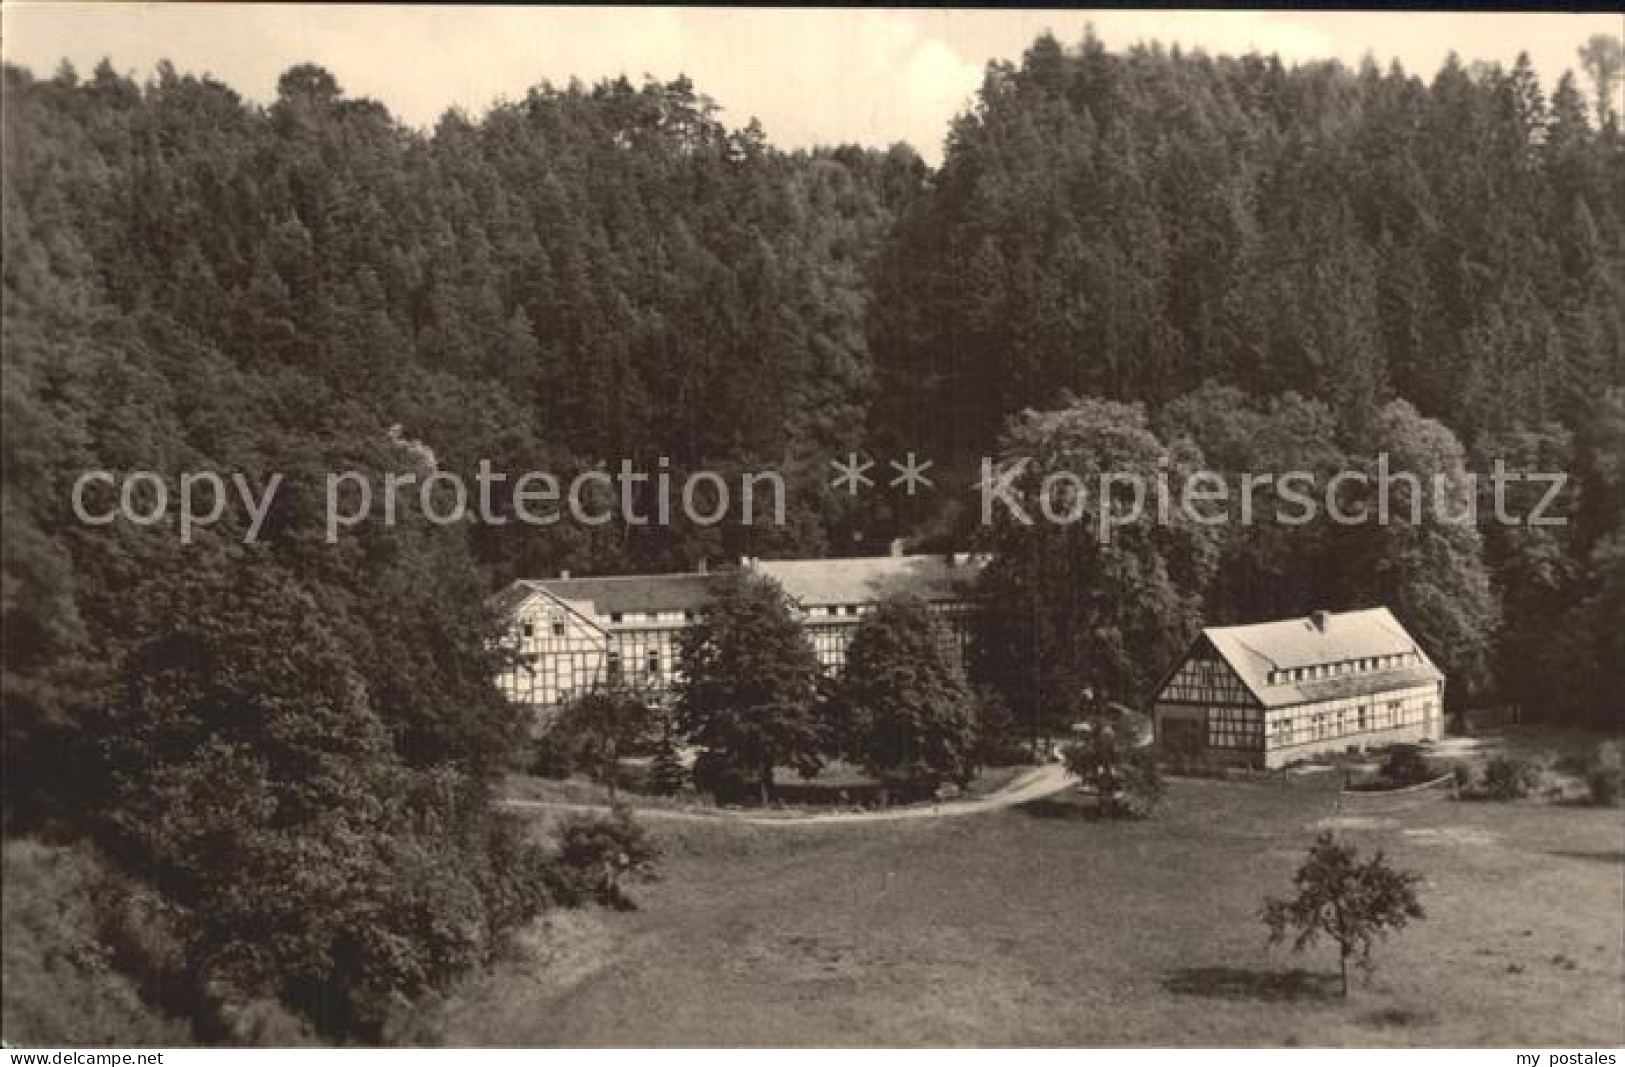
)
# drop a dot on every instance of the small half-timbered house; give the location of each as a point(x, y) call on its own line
point(1270, 693)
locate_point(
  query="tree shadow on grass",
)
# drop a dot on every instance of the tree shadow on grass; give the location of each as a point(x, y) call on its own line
point(1236, 983)
point(1061, 807)
point(1595, 857)
point(1397, 1018)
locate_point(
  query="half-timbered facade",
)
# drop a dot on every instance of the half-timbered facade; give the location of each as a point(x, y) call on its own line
point(1271, 693)
point(573, 635)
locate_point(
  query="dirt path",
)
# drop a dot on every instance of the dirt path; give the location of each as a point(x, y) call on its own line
point(1035, 784)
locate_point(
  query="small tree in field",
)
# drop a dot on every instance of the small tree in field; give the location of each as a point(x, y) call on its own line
point(1350, 902)
point(1124, 777)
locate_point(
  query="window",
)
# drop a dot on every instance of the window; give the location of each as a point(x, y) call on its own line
point(1362, 718)
point(614, 616)
point(558, 628)
point(653, 661)
point(530, 629)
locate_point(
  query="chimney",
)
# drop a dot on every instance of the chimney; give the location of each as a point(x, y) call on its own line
point(897, 546)
point(564, 576)
point(700, 567)
point(745, 562)
point(1318, 620)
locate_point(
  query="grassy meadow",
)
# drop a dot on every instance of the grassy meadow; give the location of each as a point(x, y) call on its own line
point(1042, 926)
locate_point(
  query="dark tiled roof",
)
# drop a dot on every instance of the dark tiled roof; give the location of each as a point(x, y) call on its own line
point(811, 582)
point(633, 592)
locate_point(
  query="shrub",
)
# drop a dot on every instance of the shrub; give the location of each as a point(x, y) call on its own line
point(1184, 754)
point(1125, 779)
point(554, 756)
point(667, 775)
point(1603, 773)
point(719, 776)
point(1604, 785)
point(1406, 765)
point(1143, 788)
point(598, 855)
point(996, 742)
point(63, 983)
point(1508, 778)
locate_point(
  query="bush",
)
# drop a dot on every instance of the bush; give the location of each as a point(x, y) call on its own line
point(1603, 773)
point(667, 776)
point(715, 774)
point(996, 742)
point(63, 983)
point(1143, 787)
point(554, 756)
point(1125, 779)
point(1604, 785)
point(1406, 765)
point(1184, 754)
point(597, 856)
point(1508, 778)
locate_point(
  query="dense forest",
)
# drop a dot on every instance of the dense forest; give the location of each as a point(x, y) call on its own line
point(1230, 261)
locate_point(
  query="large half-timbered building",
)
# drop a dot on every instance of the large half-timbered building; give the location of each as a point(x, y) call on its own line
point(573, 635)
point(1274, 692)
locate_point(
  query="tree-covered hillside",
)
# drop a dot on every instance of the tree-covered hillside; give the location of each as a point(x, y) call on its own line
point(1241, 263)
point(1272, 258)
point(293, 741)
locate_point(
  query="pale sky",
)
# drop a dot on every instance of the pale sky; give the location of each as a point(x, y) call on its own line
point(871, 76)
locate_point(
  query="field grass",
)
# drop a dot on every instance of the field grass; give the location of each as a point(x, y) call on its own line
point(1040, 926)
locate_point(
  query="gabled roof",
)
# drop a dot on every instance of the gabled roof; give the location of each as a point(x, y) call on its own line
point(812, 582)
point(511, 597)
point(624, 594)
point(1255, 650)
point(863, 580)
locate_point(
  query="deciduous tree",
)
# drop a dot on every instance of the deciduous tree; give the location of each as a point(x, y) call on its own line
point(910, 719)
point(748, 694)
point(1349, 902)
